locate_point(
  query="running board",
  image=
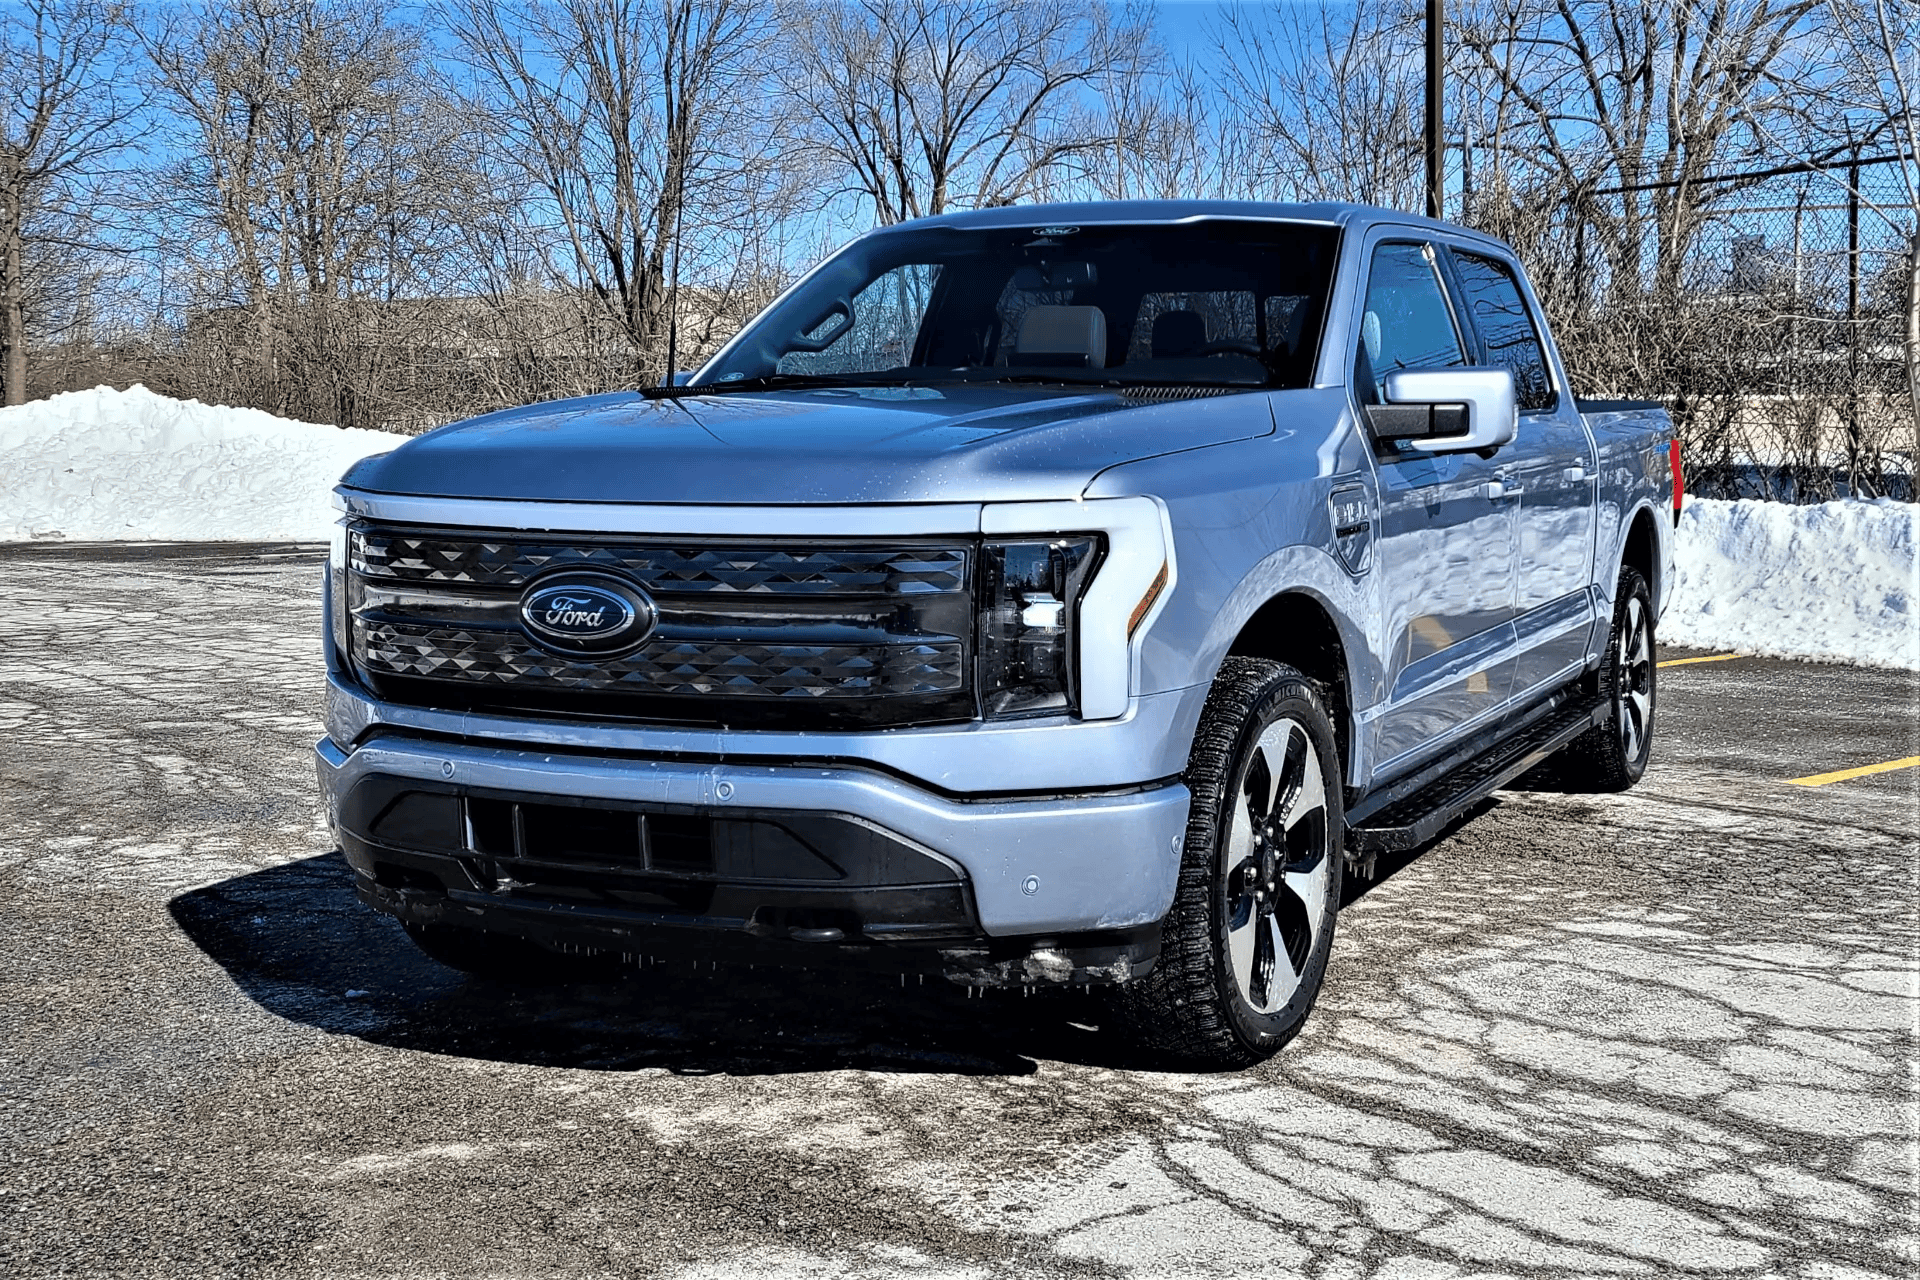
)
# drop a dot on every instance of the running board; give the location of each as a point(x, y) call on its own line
point(1409, 822)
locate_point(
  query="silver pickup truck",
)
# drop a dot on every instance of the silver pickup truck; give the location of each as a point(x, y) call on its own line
point(1062, 594)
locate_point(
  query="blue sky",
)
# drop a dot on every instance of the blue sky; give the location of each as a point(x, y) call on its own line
point(1183, 23)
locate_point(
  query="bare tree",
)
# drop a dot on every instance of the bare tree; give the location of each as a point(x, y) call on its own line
point(642, 125)
point(321, 174)
point(1878, 83)
point(63, 113)
point(928, 105)
point(1329, 100)
point(1647, 99)
point(1163, 132)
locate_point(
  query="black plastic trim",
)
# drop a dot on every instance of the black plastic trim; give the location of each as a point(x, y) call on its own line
point(1416, 817)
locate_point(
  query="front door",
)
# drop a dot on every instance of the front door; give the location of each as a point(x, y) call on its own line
point(1446, 545)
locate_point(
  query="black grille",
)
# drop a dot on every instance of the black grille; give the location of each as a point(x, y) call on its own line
point(667, 667)
point(817, 633)
point(703, 570)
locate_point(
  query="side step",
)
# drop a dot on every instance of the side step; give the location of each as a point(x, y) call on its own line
point(1409, 821)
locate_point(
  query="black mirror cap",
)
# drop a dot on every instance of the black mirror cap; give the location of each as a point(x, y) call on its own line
point(1416, 421)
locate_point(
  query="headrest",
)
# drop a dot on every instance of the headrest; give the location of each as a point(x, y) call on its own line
point(1075, 336)
point(1177, 334)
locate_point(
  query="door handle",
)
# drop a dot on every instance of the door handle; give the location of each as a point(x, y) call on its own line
point(1494, 490)
point(1574, 475)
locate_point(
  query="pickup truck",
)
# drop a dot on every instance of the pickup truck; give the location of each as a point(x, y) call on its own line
point(1070, 594)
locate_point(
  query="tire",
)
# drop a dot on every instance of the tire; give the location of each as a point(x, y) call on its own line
point(1613, 754)
point(502, 957)
point(1244, 948)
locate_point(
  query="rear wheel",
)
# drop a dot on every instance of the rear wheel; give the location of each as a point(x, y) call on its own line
point(1613, 754)
point(1245, 947)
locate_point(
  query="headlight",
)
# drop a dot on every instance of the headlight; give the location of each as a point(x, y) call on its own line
point(337, 591)
point(1029, 606)
point(1124, 578)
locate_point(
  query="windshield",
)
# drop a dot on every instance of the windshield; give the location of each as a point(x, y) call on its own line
point(1213, 302)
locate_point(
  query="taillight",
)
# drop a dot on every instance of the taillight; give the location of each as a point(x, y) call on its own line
point(1673, 456)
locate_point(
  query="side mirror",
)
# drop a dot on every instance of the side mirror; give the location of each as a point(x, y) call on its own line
point(1447, 410)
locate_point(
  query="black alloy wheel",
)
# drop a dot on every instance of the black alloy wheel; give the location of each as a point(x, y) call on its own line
point(1613, 754)
point(1245, 947)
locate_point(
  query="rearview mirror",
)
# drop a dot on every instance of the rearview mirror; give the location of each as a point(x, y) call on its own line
point(1447, 410)
point(1056, 275)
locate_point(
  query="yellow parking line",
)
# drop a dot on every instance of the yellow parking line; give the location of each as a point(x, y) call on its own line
point(1841, 775)
point(1685, 662)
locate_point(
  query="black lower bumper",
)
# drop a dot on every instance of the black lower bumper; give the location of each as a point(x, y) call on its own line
point(662, 882)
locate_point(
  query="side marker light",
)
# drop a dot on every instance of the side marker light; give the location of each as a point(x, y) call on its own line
point(1145, 606)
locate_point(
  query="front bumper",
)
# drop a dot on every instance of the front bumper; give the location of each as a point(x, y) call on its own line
point(1145, 747)
point(1031, 867)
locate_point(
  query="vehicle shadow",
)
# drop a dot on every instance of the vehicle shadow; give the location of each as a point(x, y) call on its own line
point(296, 941)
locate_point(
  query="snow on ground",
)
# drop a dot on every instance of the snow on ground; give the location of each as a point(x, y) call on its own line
point(1837, 581)
point(106, 465)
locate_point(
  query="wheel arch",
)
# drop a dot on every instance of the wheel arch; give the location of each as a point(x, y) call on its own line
point(1298, 628)
point(1641, 551)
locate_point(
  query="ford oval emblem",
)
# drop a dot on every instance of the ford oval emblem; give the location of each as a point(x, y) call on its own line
point(587, 613)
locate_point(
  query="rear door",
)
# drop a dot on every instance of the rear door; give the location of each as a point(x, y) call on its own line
point(1550, 475)
point(1445, 555)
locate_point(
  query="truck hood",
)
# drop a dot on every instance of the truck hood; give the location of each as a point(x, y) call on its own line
point(819, 445)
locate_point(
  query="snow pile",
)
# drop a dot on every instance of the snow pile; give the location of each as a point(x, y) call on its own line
point(1837, 581)
point(104, 465)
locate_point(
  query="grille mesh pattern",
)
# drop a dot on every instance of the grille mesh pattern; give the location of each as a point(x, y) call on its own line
point(665, 667)
point(668, 570)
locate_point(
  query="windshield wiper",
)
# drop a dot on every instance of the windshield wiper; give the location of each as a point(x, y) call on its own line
point(1064, 380)
point(1070, 381)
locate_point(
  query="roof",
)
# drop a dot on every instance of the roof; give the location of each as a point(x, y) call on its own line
point(1096, 212)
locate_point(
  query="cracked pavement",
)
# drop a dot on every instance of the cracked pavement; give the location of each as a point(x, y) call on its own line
point(1670, 1032)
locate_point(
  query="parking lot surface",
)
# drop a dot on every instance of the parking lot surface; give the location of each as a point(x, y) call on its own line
point(1670, 1032)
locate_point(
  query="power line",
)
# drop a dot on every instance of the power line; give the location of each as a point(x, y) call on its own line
point(1805, 166)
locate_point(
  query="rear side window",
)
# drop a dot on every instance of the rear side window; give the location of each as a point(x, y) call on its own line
point(1506, 327)
point(1406, 323)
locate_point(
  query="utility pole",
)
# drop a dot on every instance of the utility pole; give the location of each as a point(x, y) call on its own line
point(1853, 305)
point(1436, 117)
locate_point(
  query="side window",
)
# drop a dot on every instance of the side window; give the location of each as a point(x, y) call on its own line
point(1406, 323)
point(1506, 327)
point(884, 325)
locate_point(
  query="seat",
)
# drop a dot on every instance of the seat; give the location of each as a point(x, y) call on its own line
point(1178, 334)
point(1073, 337)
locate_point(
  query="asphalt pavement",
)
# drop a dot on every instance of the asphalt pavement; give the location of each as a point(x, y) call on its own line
point(1669, 1032)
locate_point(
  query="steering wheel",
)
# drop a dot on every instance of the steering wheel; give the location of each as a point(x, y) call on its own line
point(1238, 346)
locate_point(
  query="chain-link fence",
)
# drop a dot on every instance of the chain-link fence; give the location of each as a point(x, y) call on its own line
point(1775, 335)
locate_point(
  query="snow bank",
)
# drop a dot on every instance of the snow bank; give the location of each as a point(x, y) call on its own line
point(113, 465)
point(1836, 581)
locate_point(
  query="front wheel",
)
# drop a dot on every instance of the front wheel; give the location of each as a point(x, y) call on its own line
point(1245, 947)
